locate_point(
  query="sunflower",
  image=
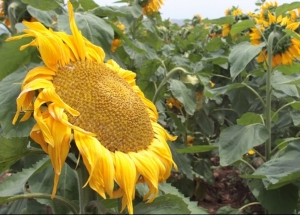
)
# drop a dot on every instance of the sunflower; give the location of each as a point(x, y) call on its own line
point(285, 48)
point(151, 6)
point(235, 12)
point(265, 9)
point(77, 97)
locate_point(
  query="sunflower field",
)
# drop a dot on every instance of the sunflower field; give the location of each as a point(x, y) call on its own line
point(113, 110)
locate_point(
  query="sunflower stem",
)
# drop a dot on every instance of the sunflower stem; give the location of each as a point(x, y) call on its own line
point(168, 76)
point(86, 194)
point(66, 202)
point(269, 95)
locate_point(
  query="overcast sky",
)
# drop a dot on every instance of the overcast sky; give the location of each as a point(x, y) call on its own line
point(186, 9)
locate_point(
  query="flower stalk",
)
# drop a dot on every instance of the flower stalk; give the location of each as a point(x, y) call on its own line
point(268, 143)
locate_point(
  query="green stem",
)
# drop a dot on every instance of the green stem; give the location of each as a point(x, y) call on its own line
point(248, 164)
point(247, 205)
point(282, 143)
point(269, 96)
point(282, 108)
point(260, 155)
point(86, 194)
point(258, 96)
point(168, 76)
point(66, 202)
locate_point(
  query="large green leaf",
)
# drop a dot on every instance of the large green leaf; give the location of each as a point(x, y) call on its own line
point(14, 58)
point(278, 201)
point(15, 183)
point(45, 17)
point(45, 4)
point(10, 88)
point(192, 206)
point(184, 95)
point(42, 182)
point(95, 29)
point(281, 171)
point(214, 45)
point(285, 84)
point(286, 7)
point(11, 150)
point(241, 55)
point(235, 141)
point(241, 26)
point(166, 204)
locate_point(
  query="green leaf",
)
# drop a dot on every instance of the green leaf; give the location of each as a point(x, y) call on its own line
point(283, 170)
point(125, 38)
point(15, 183)
point(204, 168)
point(249, 118)
point(278, 201)
point(95, 29)
point(192, 206)
point(14, 58)
point(10, 88)
point(283, 83)
point(136, 10)
point(196, 149)
point(286, 7)
point(241, 55)
point(184, 95)
point(88, 4)
point(228, 210)
point(237, 140)
point(222, 20)
point(241, 26)
point(182, 162)
point(108, 11)
point(289, 69)
point(42, 182)
point(44, 5)
point(166, 204)
point(44, 17)
point(241, 98)
point(11, 150)
point(204, 122)
point(214, 45)
point(291, 33)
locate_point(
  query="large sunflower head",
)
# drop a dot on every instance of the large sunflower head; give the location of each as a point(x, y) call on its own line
point(77, 97)
point(285, 48)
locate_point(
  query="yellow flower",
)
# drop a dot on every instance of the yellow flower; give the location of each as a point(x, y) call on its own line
point(234, 11)
point(152, 6)
point(115, 44)
point(288, 47)
point(76, 96)
point(173, 102)
point(251, 152)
